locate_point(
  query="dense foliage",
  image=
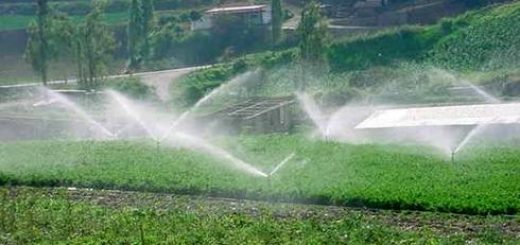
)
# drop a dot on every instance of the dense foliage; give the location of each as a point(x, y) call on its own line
point(379, 176)
point(93, 45)
point(38, 48)
point(277, 20)
point(479, 39)
point(131, 87)
point(195, 85)
point(385, 48)
point(312, 31)
point(29, 216)
point(140, 26)
point(487, 40)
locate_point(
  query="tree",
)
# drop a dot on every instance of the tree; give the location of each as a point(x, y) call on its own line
point(94, 44)
point(140, 27)
point(238, 34)
point(313, 39)
point(313, 33)
point(277, 20)
point(37, 47)
point(148, 26)
point(135, 34)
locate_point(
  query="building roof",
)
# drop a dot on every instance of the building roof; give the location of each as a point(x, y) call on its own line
point(254, 107)
point(444, 116)
point(236, 9)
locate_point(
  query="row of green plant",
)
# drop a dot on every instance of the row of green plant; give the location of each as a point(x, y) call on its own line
point(480, 181)
point(487, 40)
point(479, 39)
point(29, 216)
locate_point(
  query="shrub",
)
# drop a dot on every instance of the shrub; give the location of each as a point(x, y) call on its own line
point(483, 40)
point(132, 86)
point(409, 43)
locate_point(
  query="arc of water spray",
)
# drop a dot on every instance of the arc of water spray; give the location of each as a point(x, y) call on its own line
point(204, 99)
point(472, 134)
point(124, 103)
point(485, 95)
point(282, 163)
point(69, 104)
point(194, 142)
point(314, 112)
point(187, 140)
point(480, 127)
point(123, 129)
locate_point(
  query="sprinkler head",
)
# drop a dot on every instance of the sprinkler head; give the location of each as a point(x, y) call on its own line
point(453, 157)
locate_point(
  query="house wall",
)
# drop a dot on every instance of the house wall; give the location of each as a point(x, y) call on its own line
point(267, 15)
point(206, 22)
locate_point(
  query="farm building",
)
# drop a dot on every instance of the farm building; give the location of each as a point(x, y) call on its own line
point(259, 115)
point(253, 14)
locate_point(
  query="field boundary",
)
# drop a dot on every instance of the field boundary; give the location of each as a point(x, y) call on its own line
point(352, 203)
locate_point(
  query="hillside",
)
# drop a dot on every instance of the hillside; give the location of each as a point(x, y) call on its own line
point(408, 64)
point(468, 42)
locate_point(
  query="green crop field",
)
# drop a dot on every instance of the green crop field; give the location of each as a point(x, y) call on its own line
point(481, 181)
point(42, 216)
point(70, 189)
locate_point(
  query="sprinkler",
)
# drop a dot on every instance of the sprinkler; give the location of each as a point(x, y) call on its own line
point(453, 157)
point(157, 149)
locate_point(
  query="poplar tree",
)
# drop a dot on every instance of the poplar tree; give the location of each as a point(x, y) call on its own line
point(38, 47)
point(277, 20)
point(135, 34)
point(148, 26)
point(140, 26)
point(313, 33)
point(313, 40)
point(94, 46)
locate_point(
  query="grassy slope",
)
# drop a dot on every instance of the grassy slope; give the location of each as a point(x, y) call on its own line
point(484, 39)
point(489, 40)
point(482, 181)
point(466, 42)
point(31, 216)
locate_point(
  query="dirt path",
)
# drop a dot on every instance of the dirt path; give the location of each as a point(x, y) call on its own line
point(293, 23)
point(160, 80)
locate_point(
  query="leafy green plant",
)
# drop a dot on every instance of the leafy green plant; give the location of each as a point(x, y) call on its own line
point(30, 215)
point(132, 87)
point(376, 176)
